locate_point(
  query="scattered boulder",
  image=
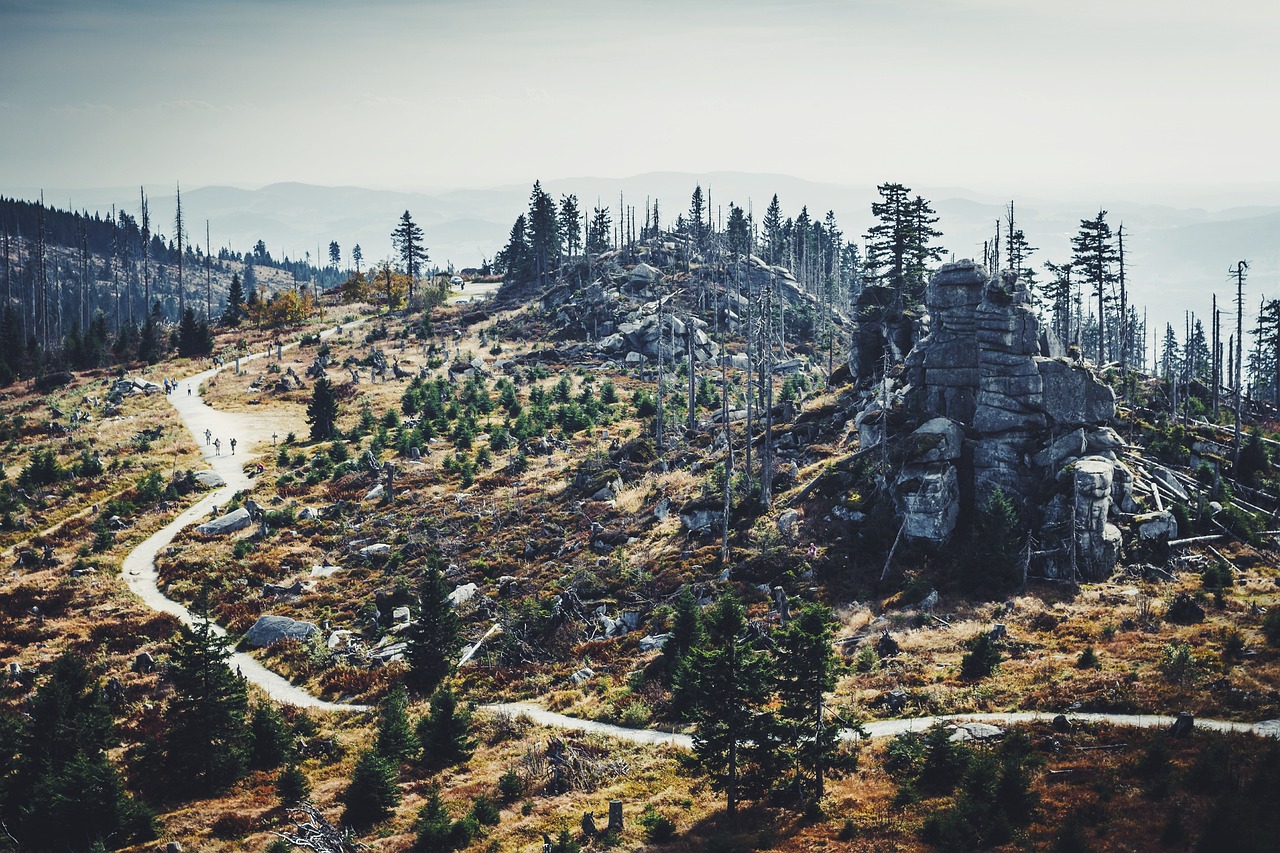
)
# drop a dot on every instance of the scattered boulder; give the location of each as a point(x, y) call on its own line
point(462, 594)
point(582, 676)
point(144, 663)
point(272, 629)
point(1061, 724)
point(653, 642)
point(788, 524)
point(237, 519)
point(209, 479)
point(378, 549)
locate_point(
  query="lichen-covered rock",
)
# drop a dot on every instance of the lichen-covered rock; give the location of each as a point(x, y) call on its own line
point(1097, 540)
point(936, 440)
point(237, 519)
point(927, 498)
point(272, 629)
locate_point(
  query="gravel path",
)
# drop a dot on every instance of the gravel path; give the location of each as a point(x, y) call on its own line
point(875, 728)
point(139, 569)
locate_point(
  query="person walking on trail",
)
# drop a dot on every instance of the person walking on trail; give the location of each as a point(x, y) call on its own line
point(208, 436)
point(233, 447)
point(217, 447)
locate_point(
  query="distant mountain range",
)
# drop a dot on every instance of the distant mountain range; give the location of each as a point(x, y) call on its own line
point(1177, 255)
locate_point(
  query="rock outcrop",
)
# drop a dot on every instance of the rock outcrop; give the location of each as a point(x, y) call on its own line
point(991, 403)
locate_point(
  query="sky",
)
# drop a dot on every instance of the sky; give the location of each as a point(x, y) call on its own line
point(1002, 96)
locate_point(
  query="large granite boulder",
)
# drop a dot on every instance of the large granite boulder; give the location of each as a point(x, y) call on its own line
point(272, 629)
point(237, 519)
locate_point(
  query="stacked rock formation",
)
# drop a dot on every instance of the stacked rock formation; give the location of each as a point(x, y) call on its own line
point(999, 407)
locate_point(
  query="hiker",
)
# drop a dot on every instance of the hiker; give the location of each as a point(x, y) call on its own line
point(208, 436)
point(217, 446)
point(233, 447)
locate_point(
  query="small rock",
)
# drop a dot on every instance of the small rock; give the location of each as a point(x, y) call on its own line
point(375, 550)
point(653, 642)
point(462, 594)
point(1061, 724)
point(582, 676)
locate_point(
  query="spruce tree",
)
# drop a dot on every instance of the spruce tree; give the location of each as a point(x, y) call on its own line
point(206, 748)
point(433, 638)
point(515, 259)
point(395, 739)
point(407, 240)
point(444, 733)
point(269, 738)
point(899, 248)
point(372, 793)
point(599, 231)
point(685, 635)
point(63, 792)
point(805, 672)
point(1093, 257)
point(292, 785)
point(734, 736)
point(322, 411)
point(544, 233)
point(234, 312)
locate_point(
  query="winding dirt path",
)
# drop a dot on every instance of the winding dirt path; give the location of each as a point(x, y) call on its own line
point(877, 728)
point(251, 431)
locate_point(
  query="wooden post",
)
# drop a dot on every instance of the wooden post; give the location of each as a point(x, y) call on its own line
point(615, 815)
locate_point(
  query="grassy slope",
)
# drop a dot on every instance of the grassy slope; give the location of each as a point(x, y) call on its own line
point(538, 527)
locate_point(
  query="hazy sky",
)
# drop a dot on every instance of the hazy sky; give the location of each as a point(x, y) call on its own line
point(997, 95)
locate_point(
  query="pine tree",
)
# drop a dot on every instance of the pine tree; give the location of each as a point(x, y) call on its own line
point(434, 639)
point(991, 561)
point(544, 233)
point(194, 338)
point(696, 224)
point(292, 785)
point(335, 254)
point(151, 346)
point(1019, 251)
point(444, 733)
point(773, 242)
point(1093, 257)
point(269, 738)
point(899, 247)
point(738, 231)
point(734, 733)
point(570, 223)
point(407, 240)
point(434, 827)
point(372, 793)
point(805, 672)
point(63, 792)
point(395, 739)
point(515, 259)
point(598, 231)
point(206, 748)
point(322, 411)
point(234, 312)
point(686, 634)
